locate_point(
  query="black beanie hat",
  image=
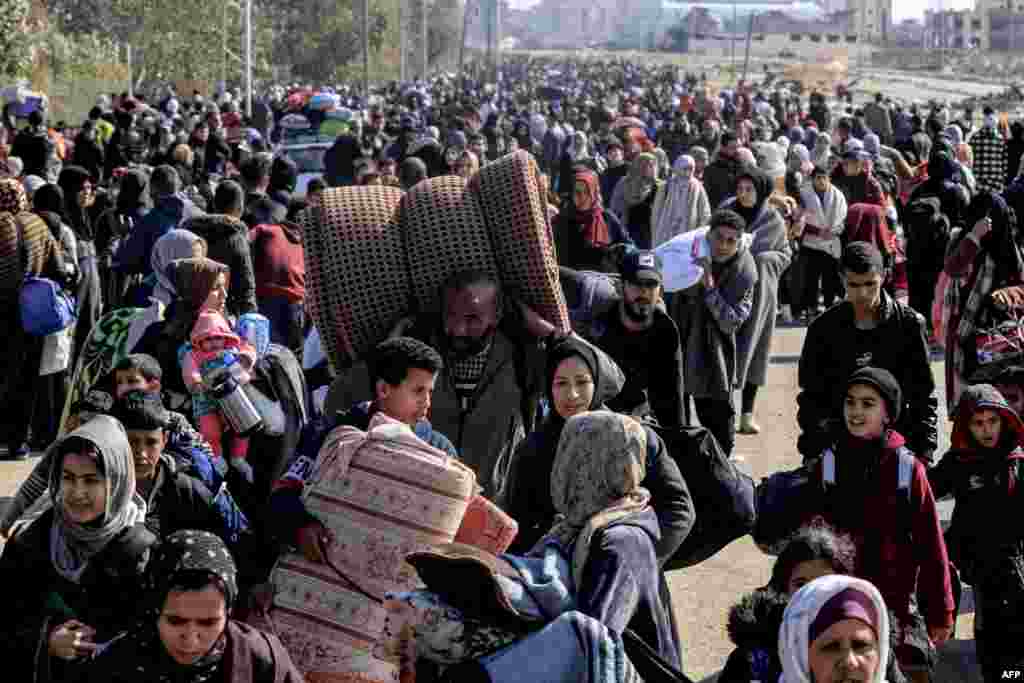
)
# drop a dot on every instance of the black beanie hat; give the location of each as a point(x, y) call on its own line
point(886, 385)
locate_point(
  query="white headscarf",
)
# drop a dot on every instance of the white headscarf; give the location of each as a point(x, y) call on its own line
point(803, 609)
point(73, 545)
point(674, 216)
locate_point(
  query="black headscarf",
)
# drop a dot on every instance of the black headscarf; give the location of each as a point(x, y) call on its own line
point(1003, 243)
point(185, 558)
point(762, 184)
point(49, 198)
point(71, 180)
point(132, 194)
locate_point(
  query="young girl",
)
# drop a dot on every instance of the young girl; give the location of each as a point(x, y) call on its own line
point(983, 470)
point(213, 344)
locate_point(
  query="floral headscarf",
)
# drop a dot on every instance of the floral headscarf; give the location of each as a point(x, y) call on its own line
point(595, 479)
point(12, 196)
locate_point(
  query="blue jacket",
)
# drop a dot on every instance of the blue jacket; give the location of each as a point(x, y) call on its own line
point(133, 254)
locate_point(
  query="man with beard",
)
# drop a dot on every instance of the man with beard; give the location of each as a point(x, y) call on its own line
point(642, 339)
point(483, 400)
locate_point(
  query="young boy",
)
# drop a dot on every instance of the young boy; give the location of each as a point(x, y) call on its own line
point(402, 375)
point(983, 471)
point(876, 491)
point(142, 372)
point(174, 499)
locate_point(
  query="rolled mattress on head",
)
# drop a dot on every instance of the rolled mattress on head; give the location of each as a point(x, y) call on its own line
point(357, 282)
point(510, 192)
point(444, 232)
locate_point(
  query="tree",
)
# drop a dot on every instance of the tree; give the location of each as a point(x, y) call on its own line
point(15, 42)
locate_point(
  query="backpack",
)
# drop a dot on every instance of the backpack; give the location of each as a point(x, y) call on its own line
point(45, 307)
point(723, 496)
point(782, 498)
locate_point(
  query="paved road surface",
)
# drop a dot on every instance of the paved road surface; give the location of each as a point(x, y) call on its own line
point(704, 594)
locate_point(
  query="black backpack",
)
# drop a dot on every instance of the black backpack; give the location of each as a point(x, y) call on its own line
point(723, 496)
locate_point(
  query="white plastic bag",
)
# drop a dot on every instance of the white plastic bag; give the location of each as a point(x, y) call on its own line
point(56, 352)
point(681, 259)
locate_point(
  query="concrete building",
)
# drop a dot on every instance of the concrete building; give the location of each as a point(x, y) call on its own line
point(992, 25)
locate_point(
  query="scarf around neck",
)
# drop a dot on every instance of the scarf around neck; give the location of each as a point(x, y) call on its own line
point(591, 221)
point(637, 187)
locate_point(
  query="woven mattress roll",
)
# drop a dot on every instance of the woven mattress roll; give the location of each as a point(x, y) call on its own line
point(510, 192)
point(444, 232)
point(357, 282)
point(12, 270)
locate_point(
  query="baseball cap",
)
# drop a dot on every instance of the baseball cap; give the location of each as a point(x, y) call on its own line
point(641, 266)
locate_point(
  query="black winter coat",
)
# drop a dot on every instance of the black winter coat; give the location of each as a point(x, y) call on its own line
point(834, 348)
point(227, 242)
point(107, 597)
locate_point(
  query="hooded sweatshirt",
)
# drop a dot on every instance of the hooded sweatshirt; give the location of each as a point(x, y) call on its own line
point(278, 261)
point(227, 240)
point(986, 483)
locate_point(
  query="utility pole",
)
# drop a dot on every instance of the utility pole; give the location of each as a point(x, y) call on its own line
point(732, 39)
point(248, 58)
point(402, 46)
point(366, 48)
point(424, 35)
point(131, 76)
point(462, 45)
point(750, 34)
point(497, 45)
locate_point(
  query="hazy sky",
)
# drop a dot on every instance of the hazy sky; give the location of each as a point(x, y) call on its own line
point(902, 9)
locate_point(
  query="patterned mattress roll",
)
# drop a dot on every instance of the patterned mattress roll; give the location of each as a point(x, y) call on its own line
point(444, 232)
point(357, 282)
point(510, 193)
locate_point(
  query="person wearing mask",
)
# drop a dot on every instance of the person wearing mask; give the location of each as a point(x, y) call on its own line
point(681, 204)
point(88, 152)
point(633, 201)
point(170, 210)
point(869, 327)
point(708, 315)
point(586, 232)
point(721, 175)
point(636, 331)
point(227, 242)
point(581, 377)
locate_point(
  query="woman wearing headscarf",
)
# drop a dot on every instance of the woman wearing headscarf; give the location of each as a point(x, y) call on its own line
point(113, 225)
point(188, 635)
point(580, 377)
point(701, 158)
point(585, 232)
point(834, 629)
point(577, 154)
point(176, 244)
point(633, 200)
point(79, 198)
point(821, 155)
point(681, 204)
point(32, 251)
point(599, 561)
point(48, 204)
point(986, 270)
point(772, 254)
point(78, 568)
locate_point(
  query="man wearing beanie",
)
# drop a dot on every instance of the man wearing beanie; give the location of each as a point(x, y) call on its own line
point(868, 328)
point(877, 492)
point(989, 150)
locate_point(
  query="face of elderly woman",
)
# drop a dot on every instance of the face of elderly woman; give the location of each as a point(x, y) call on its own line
point(191, 621)
point(846, 652)
point(572, 387)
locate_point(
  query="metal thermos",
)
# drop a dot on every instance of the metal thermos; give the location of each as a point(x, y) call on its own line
point(237, 408)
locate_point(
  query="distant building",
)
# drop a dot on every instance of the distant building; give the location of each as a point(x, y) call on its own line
point(992, 25)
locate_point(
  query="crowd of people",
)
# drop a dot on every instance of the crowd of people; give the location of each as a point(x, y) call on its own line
point(165, 234)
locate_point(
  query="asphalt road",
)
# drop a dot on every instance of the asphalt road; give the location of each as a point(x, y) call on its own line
point(702, 595)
